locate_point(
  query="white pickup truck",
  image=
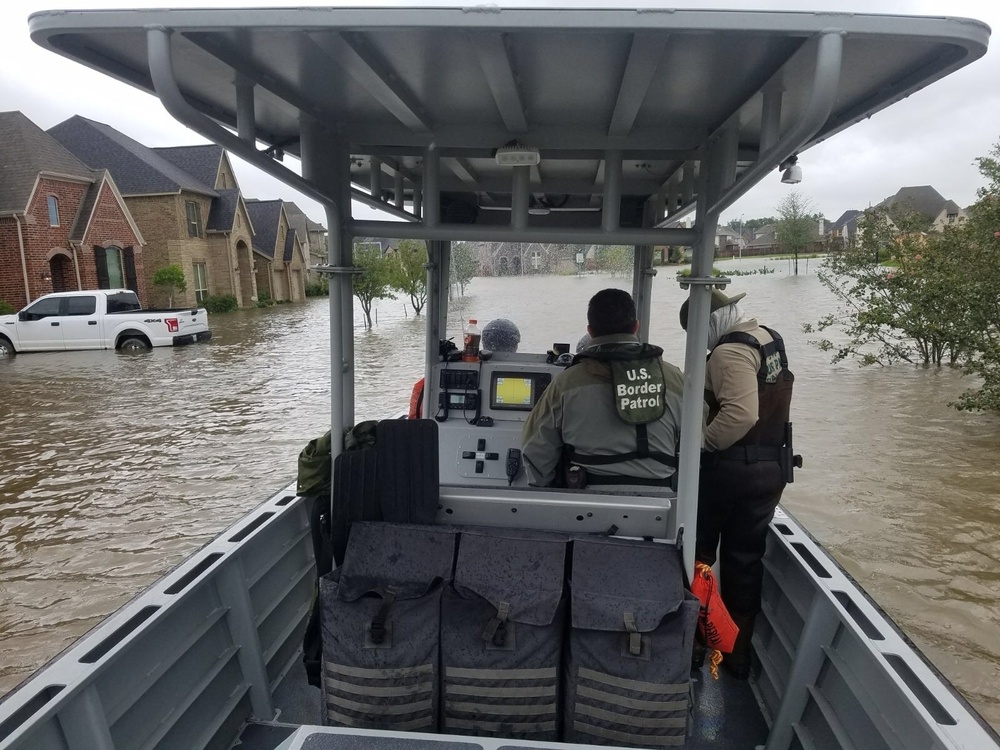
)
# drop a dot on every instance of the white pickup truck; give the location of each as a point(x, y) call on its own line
point(98, 319)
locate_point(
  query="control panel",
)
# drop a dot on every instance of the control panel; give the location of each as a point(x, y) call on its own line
point(481, 411)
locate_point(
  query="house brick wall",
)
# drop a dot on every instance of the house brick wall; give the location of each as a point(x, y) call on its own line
point(109, 226)
point(40, 238)
point(162, 219)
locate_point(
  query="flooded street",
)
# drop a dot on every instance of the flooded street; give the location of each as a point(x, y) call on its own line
point(113, 468)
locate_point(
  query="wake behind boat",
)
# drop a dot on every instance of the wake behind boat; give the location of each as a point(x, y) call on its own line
point(566, 126)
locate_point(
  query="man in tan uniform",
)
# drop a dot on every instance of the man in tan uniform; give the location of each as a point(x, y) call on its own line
point(613, 416)
point(746, 459)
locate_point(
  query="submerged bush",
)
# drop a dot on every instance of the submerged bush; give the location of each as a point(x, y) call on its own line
point(219, 303)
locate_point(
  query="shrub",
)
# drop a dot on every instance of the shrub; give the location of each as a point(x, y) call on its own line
point(264, 299)
point(318, 288)
point(219, 303)
point(6, 309)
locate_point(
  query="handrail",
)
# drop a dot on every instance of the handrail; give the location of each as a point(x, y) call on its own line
point(826, 79)
point(165, 85)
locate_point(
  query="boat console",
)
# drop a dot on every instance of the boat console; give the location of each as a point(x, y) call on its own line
point(480, 409)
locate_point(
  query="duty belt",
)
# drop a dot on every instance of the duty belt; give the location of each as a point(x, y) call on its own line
point(750, 454)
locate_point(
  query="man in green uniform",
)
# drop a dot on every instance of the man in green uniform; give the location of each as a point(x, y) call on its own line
point(612, 417)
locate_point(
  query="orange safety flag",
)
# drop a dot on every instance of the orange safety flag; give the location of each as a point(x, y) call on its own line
point(715, 626)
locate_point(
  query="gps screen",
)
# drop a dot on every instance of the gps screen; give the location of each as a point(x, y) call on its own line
point(513, 393)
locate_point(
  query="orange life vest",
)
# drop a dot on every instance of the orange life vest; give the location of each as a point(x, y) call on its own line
point(416, 400)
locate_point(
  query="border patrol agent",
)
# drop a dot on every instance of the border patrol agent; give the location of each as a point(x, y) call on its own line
point(613, 416)
point(747, 458)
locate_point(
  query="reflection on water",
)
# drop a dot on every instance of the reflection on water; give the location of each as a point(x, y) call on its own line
point(113, 468)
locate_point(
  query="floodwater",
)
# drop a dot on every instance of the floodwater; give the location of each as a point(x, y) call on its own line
point(113, 467)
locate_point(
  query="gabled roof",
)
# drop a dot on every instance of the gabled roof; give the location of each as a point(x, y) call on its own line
point(266, 216)
point(951, 207)
point(222, 214)
point(849, 216)
point(25, 151)
point(289, 246)
point(201, 162)
point(87, 207)
point(298, 219)
point(921, 199)
point(137, 169)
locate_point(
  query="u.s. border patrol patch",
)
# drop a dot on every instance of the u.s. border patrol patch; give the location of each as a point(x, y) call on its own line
point(639, 390)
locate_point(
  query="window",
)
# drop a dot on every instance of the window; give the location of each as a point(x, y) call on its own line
point(115, 268)
point(116, 274)
point(123, 302)
point(200, 282)
point(536, 259)
point(81, 305)
point(43, 308)
point(193, 219)
point(53, 211)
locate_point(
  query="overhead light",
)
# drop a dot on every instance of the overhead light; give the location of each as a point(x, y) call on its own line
point(516, 155)
point(793, 172)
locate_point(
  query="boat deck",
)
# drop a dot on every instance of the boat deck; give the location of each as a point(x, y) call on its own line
point(727, 716)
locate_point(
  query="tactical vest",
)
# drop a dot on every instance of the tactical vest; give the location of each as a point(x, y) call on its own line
point(774, 399)
point(639, 391)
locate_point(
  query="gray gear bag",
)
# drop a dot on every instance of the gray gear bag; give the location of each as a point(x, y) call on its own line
point(628, 664)
point(502, 635)
point(380, 626)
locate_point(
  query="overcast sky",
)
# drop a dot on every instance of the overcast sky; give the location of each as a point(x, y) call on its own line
point(932, 138)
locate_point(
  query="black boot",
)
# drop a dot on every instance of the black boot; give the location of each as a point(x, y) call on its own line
point(738, 662)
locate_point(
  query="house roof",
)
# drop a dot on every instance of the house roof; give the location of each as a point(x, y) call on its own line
point(922, 199)
point(296, 214)
point(849, 216)
point(201, 162)
point(289, 253)
point(137, 169)
point(26, 150)
point(266, 216)
point(222, 214)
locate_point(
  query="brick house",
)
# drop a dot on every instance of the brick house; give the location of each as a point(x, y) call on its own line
point(280, 258)
point(187, 203)
point(63, 225)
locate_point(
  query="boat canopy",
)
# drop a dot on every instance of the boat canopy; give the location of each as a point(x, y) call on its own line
point(599, 126)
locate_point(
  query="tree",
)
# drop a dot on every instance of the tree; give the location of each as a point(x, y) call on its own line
point(170, 279)
point(979, 270)
point(796, 228)
point(903, 312)
point(615, 259)
point(463, 265)
point(933, 298)
point(375, 280)
point(409, 273)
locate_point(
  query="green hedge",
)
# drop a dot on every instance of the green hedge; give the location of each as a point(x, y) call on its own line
point(6, 309)
point(219, 303)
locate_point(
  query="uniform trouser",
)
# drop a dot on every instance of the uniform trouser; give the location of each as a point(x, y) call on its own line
point(736, 502)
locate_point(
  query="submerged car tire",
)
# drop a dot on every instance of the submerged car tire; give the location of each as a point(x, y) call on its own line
point(6, 348)
point(133, 344)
